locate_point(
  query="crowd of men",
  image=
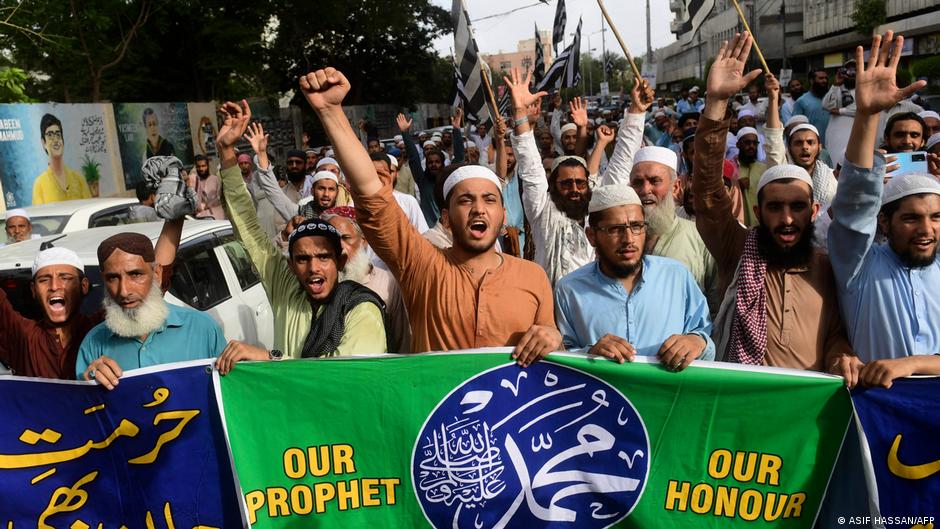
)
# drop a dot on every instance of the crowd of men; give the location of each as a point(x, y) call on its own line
point(762, 231)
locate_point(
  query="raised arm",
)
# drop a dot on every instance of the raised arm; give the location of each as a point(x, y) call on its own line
point(579, 117)
point(773, 130)
point(528, 161)
point(858, 198)
point(324, 90)
point(630, 136)
point(457, 123)
point(425, 188)
point(499, 145)
point(604, 138)
point(284, 206)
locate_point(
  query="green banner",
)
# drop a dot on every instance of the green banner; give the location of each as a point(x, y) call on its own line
point(470, 440)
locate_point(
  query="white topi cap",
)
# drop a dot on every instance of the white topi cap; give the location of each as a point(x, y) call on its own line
point(568, 126)
point(928, 114)
point(323, 175)
point(796, 120)
point(392, 160)
point(57, 256)
point(804, 126)
point(610, 196)
point(661, 155)
point(745, 112)
point(466, 173)
point(784, 172)
point(327, 161)
point(17, 213)
point(909, 184)
point(745, 131)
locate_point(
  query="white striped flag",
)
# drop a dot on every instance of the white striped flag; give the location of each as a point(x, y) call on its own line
point(539, 71)
point(561, 19)
point(468, 64)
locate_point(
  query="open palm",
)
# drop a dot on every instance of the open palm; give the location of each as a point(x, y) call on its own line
point(875, 86)
point(519, 89)
point(726, 76)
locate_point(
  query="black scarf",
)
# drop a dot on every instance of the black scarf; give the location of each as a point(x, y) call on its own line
point(327, 331)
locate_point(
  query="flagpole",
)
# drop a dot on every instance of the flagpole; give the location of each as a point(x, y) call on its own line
point(489, 93)
point(753, 36)
point(610, 22)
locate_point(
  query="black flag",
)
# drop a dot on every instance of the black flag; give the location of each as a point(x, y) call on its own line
point(558, 32)
point(539, 71)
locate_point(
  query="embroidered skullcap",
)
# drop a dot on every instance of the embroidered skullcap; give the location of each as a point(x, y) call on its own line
point(804, 126)
point(315, 228)
point(784, 172)
point(323, 175)
point(661, 155)
point(17, 213)
point(609, 196)
point(745, 131)
point(558, 161)
point(466, 173)
point(910, 184)
point(327, 161)
point(128, 242)
point(57, 256)
point(568, 126)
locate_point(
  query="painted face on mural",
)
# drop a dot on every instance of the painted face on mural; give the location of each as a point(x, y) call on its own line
point(53, 141)
point(153, 128)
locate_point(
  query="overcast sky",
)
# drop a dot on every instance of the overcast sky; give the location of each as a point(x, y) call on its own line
point(503, 33)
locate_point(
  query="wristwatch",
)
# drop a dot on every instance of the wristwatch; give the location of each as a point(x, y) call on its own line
point(275, 354)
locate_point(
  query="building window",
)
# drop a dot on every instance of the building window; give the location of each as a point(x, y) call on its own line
point(505, 65)
point(526, 63)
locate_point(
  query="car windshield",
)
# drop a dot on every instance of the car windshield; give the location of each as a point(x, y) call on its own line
point(48, 225)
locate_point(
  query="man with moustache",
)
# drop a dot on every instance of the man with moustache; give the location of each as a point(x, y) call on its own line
point(840, 102)
point(18, 227)
point(140, 329)
point(324, 187)
point(208, 191)
point(295, 165)
point(468, 295)
point(802, 148)
point(315, 314)
point(749, 171)
point(890, 293)
point(905, 132)
point(779, 307)
point(628, 303)
point(359, 268)
point(810, 103)
point(795, 89)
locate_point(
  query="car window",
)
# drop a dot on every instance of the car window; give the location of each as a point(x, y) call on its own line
point(197, 276)
point(111, 217)
point(244, 269)
point(48, 225)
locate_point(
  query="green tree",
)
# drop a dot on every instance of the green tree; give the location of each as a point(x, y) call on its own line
point(868, 15)
point(13, 86)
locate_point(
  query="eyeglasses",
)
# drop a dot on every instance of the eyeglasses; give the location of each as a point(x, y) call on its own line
point(619, 230)
point(571, 183)
point(53, 134)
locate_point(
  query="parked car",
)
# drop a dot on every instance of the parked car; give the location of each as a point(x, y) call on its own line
point(74, 215)
point(212, 274)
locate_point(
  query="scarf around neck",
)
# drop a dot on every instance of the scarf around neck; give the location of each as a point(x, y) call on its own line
point(748, 343)
point(327, 330)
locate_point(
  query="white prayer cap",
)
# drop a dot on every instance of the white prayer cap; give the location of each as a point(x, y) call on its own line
point(429, 143)
point(561, 159)
point(745, 131)
point(693, 89)
point(330, 153)
point(661, 155)
point(323, 175)
point(600, 121)
point(398, 137)
point(932, 141)
point(57, 256)
point(17, 213)
point(745, 112)
point(466, 173)
point(610, 196)
point(569, 126)
point(659, 114)
point(392, 160)
point(327, 161)
point(436, 140)
point(909, 184)
point(928, 114)
point(796, 120)
point(468, 144)
point(804, 126)
point(784, 172)
point(436, 135)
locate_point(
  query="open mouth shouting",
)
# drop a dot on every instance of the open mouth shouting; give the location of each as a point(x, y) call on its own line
point(56, 305)
point(478, 228)
point(788, 234)
point(316, 285)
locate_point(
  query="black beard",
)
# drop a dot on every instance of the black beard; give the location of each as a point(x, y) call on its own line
point(797, 256)
point(621, 272)
point(202, 176)
point(574, 210)
point(296, 177)
point(913, 261)
point(850, 84)
point(746, 159)
point(819, 90)
point(795, 94)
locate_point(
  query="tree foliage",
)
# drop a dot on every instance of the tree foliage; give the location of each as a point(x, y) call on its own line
point(13, 86)
point(181, 50)
point(868, 15)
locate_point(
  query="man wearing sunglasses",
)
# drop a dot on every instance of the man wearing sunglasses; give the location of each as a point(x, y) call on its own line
point(628, 303)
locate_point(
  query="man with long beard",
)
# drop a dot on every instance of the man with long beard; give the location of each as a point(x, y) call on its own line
point(749, 170)
point(359, 268)
point(890, 293)
point(464, 297)
point(780, 307)
point(208, 191)
point(140, 329)
point(628, 303)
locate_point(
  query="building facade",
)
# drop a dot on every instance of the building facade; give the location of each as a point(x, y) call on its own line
point(524, 56)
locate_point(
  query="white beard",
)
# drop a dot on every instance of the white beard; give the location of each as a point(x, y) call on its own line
point(140, 321)
point(357, 267)
point(661, 215)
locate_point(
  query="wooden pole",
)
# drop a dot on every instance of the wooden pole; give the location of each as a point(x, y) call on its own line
point(610, 22)
point(489, 92)
point(753, 36)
